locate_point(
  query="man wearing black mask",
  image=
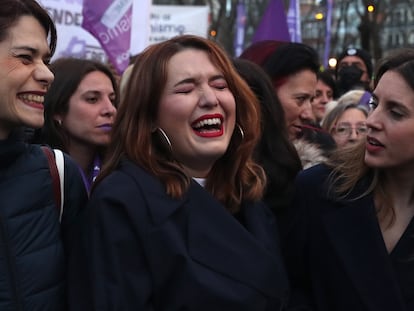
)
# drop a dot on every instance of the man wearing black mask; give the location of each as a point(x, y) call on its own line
point(354, 70)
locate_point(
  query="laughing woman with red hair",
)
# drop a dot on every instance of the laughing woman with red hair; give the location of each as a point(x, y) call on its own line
point(176, 220)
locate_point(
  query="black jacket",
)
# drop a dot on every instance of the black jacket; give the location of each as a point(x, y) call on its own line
point(34, 246)
point(151, 252)
point(334, 250)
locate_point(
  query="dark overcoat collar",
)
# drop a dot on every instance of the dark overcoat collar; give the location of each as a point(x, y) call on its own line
point(355, 234)
point(216, 239)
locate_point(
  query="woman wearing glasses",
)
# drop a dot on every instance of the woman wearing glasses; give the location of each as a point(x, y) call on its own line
point(350, 234)
point(346, 122)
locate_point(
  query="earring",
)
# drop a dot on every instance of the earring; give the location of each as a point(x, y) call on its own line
point(164, 140)
point(59, 122)
point(241, 132)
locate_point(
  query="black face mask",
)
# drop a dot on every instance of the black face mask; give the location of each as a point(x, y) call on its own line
point(349, 77)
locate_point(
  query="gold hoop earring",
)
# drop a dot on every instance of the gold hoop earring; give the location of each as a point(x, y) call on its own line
point(164, 140)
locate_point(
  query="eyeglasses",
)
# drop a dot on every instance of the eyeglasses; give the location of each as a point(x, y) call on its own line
point(346, 130)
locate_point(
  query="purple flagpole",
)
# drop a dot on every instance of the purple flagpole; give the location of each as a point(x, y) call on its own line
point(109, 21)
point(273, 25)
point(328, 33)
point(293, 21)
point(240, 26)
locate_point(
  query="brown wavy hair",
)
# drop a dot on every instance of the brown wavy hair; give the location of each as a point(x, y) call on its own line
point(235, 177)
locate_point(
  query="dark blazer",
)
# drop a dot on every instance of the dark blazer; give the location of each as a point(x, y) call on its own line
point(334, 250)
point(151, 252)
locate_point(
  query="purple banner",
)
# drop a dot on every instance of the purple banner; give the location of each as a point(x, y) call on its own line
point(109, 21)
point(273, 25)
point(329, 4)
point(240, 27)
point(293, 21)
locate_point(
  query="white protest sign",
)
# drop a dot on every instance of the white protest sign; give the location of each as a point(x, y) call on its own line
point(167, 21)
point(163, 22)
point(73, 40)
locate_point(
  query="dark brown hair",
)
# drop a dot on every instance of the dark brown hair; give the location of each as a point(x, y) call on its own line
point(12, 10)
point(69, 73)
point(274, 151)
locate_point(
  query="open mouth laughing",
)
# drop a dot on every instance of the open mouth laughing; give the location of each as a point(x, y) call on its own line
point(208, 126)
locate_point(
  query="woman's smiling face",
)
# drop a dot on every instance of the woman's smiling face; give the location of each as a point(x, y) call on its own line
point(197, 111)
point(24, 75)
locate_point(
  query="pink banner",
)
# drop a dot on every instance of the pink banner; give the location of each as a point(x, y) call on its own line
point(109, 21)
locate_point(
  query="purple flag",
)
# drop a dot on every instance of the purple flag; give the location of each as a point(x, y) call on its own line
point(240, 26)
point(293, 21)
point(328, 33)
point(109, 21)
point(273, 25)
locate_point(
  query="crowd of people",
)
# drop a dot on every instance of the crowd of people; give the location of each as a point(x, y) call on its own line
point(201, 181)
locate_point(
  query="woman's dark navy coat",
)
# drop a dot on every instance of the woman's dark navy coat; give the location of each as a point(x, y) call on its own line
point(34, 246)
point(151, 252)
point(334, 250)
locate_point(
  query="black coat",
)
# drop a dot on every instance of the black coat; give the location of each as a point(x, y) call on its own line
point(334, 251)
point(151, 252)
point(33, 244)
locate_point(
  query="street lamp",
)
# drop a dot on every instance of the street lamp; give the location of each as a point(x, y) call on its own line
point(370, 8)
point(319, 16)
point(332, 62)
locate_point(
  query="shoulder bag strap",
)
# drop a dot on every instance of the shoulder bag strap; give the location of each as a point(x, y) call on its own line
point(60, 164)
point(56, 176)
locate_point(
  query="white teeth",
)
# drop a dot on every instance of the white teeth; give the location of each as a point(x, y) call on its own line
point(374, 142)
point(213, 121)
point(32, 98)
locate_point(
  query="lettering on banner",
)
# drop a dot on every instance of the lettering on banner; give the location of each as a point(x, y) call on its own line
point(162, 30)
point(123, 26)
point(64, 17)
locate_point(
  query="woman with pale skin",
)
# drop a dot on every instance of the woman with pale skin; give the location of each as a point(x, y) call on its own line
point(350, 127)
point(175, 218)
point(325, 92)
point(346, 122)
point(349, 244)
point(293, 69)
point(80, 109)
point(34, 246)
point(295, 94)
